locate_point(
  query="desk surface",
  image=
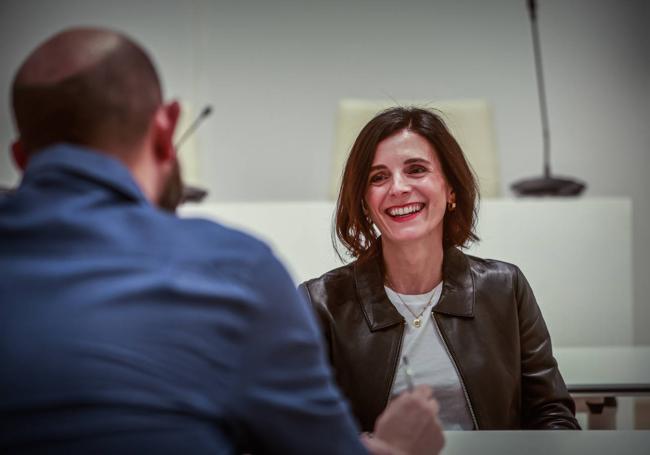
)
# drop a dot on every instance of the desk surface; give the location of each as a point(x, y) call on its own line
point(546, 442)
point(612, 370)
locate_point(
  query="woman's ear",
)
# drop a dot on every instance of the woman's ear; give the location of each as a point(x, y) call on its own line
point(19, 154)
point(451, 201)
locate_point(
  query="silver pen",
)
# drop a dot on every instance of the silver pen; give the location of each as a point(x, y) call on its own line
point(408, 374)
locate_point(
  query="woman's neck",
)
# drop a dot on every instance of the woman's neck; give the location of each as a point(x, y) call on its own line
point(413, 268)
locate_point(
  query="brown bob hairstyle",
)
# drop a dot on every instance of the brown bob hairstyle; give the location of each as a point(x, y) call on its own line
point(354, 229)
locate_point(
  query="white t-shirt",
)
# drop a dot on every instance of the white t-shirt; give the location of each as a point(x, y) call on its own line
point(429, 360)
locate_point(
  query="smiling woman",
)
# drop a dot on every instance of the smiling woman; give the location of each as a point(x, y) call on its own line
point(470, 327)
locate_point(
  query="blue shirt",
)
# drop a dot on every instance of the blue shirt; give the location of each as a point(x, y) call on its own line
point(124, 328)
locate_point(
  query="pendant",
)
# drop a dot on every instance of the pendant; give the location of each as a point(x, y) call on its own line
point(417, 322)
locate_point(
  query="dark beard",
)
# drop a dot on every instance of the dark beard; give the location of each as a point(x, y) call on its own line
point(172, 194)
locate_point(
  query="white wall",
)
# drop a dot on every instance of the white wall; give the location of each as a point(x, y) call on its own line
point(274, 71)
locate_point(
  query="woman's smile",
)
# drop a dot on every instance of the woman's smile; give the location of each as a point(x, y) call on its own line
point(405, 212)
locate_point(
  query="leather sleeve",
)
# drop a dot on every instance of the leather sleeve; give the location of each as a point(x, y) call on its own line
point(322, 315)
point(546, 403)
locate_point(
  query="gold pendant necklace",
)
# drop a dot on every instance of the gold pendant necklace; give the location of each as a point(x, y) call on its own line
point(417, 319)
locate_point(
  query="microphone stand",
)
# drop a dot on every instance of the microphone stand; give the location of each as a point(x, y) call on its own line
point(547, 184)
point(190, 193)
point(193, 193)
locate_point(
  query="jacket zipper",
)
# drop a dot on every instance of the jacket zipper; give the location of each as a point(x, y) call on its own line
point(453, 362)
point(395, 364)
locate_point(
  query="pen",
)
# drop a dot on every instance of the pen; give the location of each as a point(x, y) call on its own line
point(408, 374)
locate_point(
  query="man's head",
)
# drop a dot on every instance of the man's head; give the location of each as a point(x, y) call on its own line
point(99, 89)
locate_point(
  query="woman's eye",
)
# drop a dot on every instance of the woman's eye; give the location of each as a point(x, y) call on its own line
point(377, 178)
point(417, 170)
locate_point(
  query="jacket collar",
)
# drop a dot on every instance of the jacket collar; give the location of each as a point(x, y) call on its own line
point(377, 308)
point(458, 293)
point(88, 164)
point(457, 297)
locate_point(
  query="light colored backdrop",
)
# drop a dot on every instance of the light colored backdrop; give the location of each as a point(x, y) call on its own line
point(275, 70)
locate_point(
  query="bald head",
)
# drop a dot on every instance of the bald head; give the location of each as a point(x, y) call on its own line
point(91, 87)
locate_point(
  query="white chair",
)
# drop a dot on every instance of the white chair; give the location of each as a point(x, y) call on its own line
point(188, 153)
point(470, 121)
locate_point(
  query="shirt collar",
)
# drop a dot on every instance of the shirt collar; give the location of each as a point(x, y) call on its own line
point(86, 163)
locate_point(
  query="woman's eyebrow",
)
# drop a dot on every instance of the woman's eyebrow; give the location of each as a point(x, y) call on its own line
point(416, 160)
point(377, 167)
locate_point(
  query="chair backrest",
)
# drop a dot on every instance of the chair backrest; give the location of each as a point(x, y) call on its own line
point(470, 121)
point(188, 153)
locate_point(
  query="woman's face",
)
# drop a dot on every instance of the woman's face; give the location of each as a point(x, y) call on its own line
point(407, 192)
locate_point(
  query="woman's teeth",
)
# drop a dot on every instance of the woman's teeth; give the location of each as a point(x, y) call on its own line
point(406, 210)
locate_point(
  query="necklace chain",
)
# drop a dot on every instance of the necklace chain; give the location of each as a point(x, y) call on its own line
point(417, 319)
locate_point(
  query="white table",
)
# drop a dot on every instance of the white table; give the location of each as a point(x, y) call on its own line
point(605, 370)
point(547, 442)
point(598, 376)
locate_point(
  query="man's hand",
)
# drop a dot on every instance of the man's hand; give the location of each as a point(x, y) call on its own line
point(408, 426)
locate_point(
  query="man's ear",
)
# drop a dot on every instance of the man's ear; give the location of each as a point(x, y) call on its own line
point(19, 154)
point(165, 121)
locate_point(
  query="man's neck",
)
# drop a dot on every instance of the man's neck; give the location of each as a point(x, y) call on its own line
point(146, 182)
point(140, 163)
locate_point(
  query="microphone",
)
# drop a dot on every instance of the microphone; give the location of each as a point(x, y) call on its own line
point(190, 193)
point(532, 9)
point(193, 193)
point(207, 110)
point(547, 184)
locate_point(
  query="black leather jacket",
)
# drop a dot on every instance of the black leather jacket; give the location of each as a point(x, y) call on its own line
point(491, 325)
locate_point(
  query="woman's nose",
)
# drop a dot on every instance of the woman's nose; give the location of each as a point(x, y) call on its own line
point(399, 185)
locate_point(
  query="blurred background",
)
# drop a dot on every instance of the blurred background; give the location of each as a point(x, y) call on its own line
point(275, 70)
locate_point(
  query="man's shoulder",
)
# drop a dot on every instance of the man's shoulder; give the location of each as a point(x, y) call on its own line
point(199, 230)
point(201, 238)
point(200, 255)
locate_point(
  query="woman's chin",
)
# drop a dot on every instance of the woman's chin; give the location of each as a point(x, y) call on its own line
point(406, 236)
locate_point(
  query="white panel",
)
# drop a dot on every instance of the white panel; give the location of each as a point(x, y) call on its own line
point(575, 253)
point(605, 368)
